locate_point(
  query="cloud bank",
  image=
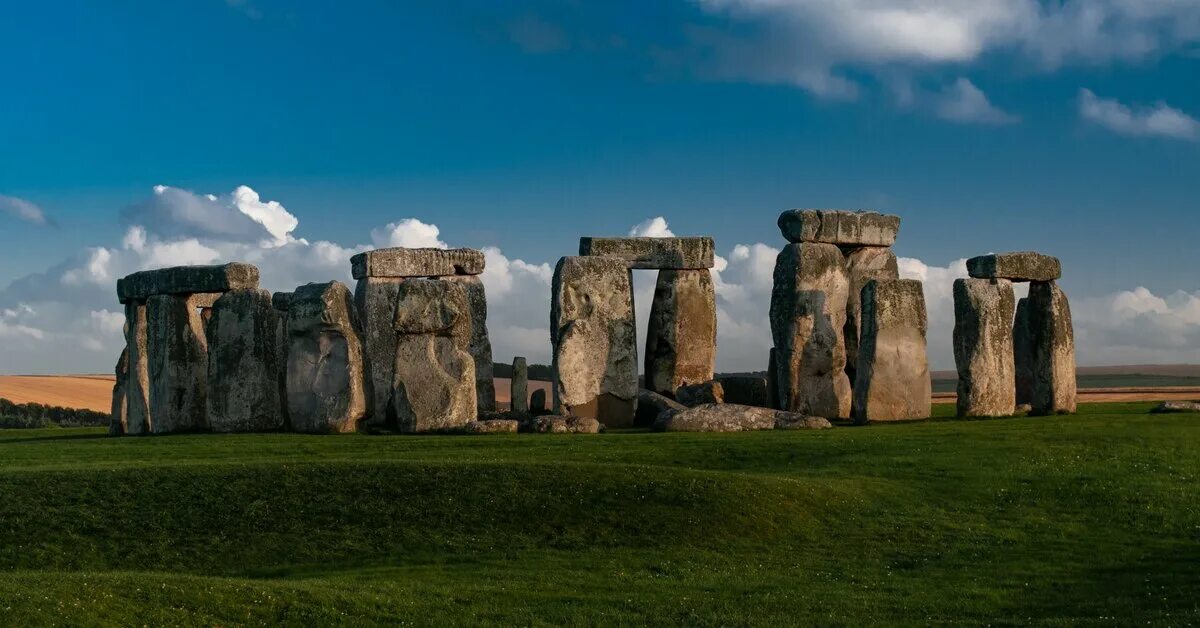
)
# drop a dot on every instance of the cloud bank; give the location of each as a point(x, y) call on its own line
point(1159, 120)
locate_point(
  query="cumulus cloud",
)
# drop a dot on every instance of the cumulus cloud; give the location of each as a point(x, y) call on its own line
point(965, 103)
point(410, 233)
point(22, 209)
point(651, 228)
point(239, 216)
point(1158, 120)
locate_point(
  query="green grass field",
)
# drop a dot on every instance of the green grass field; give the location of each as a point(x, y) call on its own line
point(1092, 518)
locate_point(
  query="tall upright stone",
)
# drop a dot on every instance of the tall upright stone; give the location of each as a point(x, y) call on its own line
point(480, 346)
point(137, 387)
point(1052, 338)
point(1023, 353)
point(862, 265)
point(243, 363)
point(808, 315)
point(119, 422)
point(681, 339)
point(375, 298)
point(327, 388)
point(178, 363)
point(519, 388)
point(983, 346)
point(281, 301)
point(773, 380)
point(594, 335)
point(893, 381)
point(434, 375)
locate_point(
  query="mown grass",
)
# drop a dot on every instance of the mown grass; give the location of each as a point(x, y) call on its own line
point(1092, 518)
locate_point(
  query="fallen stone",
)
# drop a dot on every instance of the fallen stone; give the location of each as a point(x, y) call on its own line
point(480, 345)
point(793, 421)
point(893, 381)
point(808, 316)
point(651, 405)
point(842, 227)
point(326, 382)
point(681, 338)
point(862, 265)
point(746, 390)
point(375, 298)
point(983, 347)
point(434, 375)
point(537, 400)
point(1023, 354)
point(492, 426)
point(178, 362)
point(700, 394)
point(552, 424)
point(520, 385)
point(137, 386)
point(185, 280)
point(594, 336)
point(1021, 266)
point(1052, 338)
point(406, 262)
point(653, 253)
point(281, 301)
point(729, 417)
point(1172, 407)
point(118, 423)
point(243, 363)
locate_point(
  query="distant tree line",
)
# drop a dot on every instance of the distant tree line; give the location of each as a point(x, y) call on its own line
point(31, 415)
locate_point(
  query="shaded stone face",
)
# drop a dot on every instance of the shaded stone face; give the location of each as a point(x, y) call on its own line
point(520, 385)
point(1023, 353)
point(983, 347)
point(244, 364)
point(1020, 266)
point(652, 404)
point(893, 381)
point(593, 332)
point(326, 389)
point(842, 227)
point(699, 394)
point(537, 400)
point(653, 253)
point(375, 298)
point(281, 301)
point(177, 356)
point(480, 344)
point(746, 390)
point(1052, 338)
point(808, 315)
point(863, 264)
point(137, 386)
point(119, 424)
point(681, 338)
point(187, 280)
point(773, 391)
point(406, 262)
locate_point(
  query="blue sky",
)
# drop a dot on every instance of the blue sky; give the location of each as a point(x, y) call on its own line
point(521, 126)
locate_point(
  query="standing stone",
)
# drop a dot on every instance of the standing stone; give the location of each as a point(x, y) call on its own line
point(434, 385)
point(137, 387)
point(893, 380)
point(326, 389)
point(375, 298)
point(520, 385)
point(681, 339)
point(243, 363)
point(1053, 341)
point(537, 401)
point(983, 347)
point(178, 360)
point(119, 424)
point(746, 390)
point(480, 346)
point(1023, 353)
point(863, 264)
point(808, 315)
point(594, 335)
point(773, 381)
point(281, 302)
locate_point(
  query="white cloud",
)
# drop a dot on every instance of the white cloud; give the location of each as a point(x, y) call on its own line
point(240, 216)
point(22, 209)
point(651, 228)
point(409, 233)
point(1159, 120)
point(963, 102)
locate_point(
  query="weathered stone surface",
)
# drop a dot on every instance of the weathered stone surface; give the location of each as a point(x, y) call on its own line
point(434, 375)
point(552, 424)
point(243, 363)
point(808, 315)
point(652, 404)
point(773, 392)
point(681, 338)
point(835, 226)
point(375, 299)
point(746, 390)
point(520, 385)
point(1172, 407)
point(594, 336)
point(405, 262)
point(537, 400)
point(119, 423)
point(983, 346)
point(700, 394)
point(281, 301)
point(178, 362)
point(1052, 337)
point(187, 280)
point(794, 421)
point(653, 253)
point(492, 426)
point(862, 265)
point(893, 380)
point(729, 417)
point(1020, 266)
point(1023, 353)
point(480, 345)
point(326, 389)
point(137, 385)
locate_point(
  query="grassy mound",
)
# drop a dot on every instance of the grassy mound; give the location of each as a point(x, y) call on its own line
point(1088, 518)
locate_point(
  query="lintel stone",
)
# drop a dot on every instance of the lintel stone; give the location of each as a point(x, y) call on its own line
point(841, 227)
point(1019, 266)
point(141, 285)
point(426, 262)
point(653, 253)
